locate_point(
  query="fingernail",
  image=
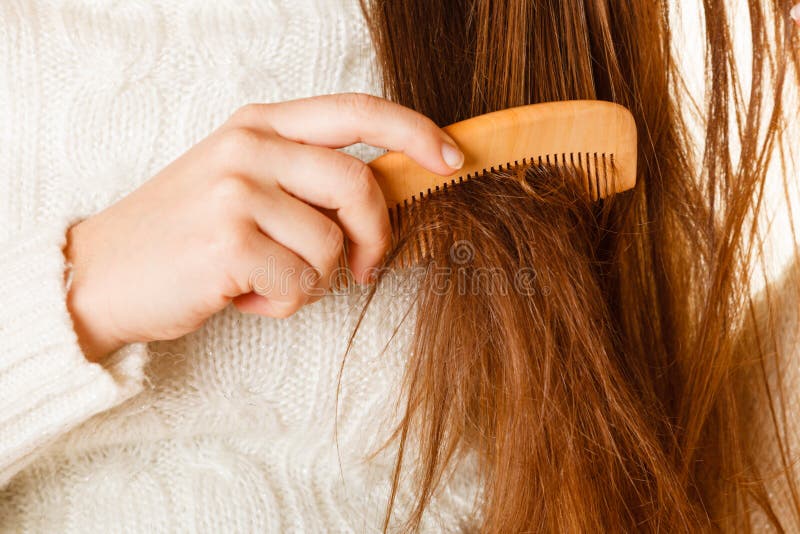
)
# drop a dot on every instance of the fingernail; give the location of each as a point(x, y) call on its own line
point(795, 13)
point(452, 155)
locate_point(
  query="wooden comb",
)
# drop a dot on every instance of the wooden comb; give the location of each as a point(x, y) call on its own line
point(595, 139)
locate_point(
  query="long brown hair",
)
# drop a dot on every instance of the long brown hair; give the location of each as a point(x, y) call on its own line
point(608, 392)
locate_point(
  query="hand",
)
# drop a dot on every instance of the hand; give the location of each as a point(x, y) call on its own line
point(159, 262)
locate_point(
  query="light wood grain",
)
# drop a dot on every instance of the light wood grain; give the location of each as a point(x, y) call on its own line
point(570, 131)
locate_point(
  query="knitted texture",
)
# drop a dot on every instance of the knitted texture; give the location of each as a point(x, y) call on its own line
point(232, 429)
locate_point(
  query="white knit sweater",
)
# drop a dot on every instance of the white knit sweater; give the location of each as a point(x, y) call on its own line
point(229, 429)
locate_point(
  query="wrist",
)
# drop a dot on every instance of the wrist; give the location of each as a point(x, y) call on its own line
point(84, 304)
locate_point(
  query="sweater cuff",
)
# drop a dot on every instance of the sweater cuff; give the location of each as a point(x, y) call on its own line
point(47, 386)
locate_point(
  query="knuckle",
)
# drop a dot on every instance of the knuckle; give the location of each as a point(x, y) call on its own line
point(228, 237)
point(248, 114)
point(232, 144)
point(422, 126)
point(419, 131)
point(385, 238)
point(348, 101)
point(290, 301)
point(282, 309)
point(230, 243)
point(359, 179)
point(358, 103)
point(297, 298)
point(230, 190)
point(332, 244)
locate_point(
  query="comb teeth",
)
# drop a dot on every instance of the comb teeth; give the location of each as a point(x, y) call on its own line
point(596, 169)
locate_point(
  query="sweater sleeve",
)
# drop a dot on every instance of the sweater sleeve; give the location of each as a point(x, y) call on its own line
point(47, 386)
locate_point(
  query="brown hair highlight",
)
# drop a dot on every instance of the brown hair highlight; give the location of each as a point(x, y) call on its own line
point(613, 396)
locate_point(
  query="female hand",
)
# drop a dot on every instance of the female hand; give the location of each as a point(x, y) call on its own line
point(245, 200)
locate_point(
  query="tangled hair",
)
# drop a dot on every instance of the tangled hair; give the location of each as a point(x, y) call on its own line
point(608, 391)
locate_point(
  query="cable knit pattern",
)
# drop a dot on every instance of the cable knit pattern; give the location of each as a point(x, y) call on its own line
point(232, 429)
point(47, 384)
point(235, 427)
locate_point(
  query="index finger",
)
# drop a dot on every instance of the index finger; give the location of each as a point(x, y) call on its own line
point(339, 120)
